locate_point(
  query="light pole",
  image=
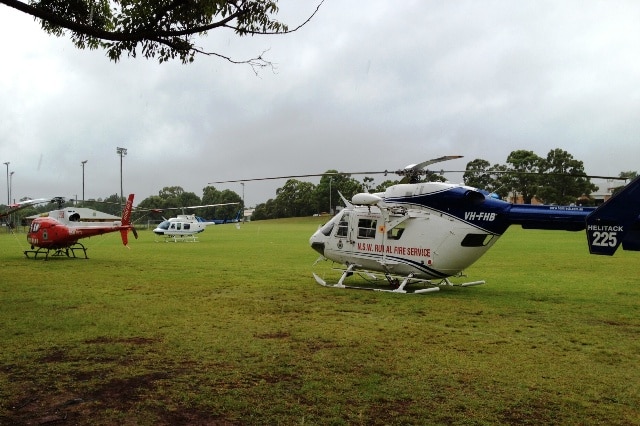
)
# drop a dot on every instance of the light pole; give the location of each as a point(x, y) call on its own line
point(330, 204)
point(83, 163)
point(243, 205)
point(10, 186)
point(8, 195)
point(121, 152)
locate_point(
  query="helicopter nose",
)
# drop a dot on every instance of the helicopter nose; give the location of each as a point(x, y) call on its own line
point(318, 246)
point(317, 242)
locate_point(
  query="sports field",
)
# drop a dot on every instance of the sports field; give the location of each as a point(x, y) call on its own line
point(234, 330)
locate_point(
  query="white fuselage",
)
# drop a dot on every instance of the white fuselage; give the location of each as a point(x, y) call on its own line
point(426, 244)
point(402, 237)
point(182, 225)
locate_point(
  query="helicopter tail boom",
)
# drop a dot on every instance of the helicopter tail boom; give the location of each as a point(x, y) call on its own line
point(616, 222)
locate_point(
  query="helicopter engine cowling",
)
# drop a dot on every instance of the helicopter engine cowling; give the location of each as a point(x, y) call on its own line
point(366, 199)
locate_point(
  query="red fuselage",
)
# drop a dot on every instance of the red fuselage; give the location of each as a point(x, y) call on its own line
point(49, 233)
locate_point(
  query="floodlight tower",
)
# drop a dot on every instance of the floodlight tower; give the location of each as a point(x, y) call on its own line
point(121, 152)
point(243, 204)
point(8, 195)
point(83, 163)
point(11, 186)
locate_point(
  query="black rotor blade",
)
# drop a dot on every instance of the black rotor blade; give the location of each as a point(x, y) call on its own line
point(411, 169)
point(515, 172)
point(424, 164)
point(300, 176)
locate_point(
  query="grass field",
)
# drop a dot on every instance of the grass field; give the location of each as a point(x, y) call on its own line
point(234, 330)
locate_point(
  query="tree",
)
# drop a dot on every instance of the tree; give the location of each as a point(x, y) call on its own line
point(496, 179)
point(176, 196)
point(628, 175)
point(295, 199)
point(367, 183)
point(210, 195)
point(476, 174)
point(327, 192)
point(384, 185)
point(265, 210)
point(162, 29)
point(563, 179)
point(525, 166)
point(112, 205)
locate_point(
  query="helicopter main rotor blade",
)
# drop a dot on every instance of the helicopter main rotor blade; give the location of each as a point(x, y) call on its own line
point(515, 172)
point(413, 168)
point(299, 176)
point(424, 164)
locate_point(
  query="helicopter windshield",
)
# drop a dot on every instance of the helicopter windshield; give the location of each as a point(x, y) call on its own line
point(164, 225)
point(327, 228)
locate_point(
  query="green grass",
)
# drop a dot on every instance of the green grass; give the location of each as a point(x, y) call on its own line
point(234, 330)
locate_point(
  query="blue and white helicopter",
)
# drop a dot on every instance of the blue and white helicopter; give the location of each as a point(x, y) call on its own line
point(426, 232)
point(184, 227)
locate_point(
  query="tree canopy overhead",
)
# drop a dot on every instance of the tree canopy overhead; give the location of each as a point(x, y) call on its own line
point(162, 29)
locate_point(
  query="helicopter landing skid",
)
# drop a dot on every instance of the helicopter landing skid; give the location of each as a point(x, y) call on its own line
point(59, 252)
point(399, 286)
point(191, 238)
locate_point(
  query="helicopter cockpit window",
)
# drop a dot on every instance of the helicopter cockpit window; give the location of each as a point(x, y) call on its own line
point(327, 228)
point(34, 227)
point(367, 228)
point(164, 225)
point(343, 225)
point(396, 232)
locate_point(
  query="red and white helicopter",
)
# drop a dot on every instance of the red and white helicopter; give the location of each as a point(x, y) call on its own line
point(60, 230)
point(425, 232)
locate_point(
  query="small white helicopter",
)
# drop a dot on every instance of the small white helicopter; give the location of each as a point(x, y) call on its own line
point(425, 232)
point(184, 227)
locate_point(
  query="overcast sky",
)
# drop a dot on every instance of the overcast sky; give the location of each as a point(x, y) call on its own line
point(364, 86)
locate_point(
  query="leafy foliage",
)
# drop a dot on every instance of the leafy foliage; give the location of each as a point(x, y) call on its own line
point(563, 180)
point(557, 179)
point(527, 165)
point(210, 195)
point(303, 199)
point(162, 29)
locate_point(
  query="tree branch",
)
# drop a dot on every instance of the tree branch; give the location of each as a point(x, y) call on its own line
point(158, 28)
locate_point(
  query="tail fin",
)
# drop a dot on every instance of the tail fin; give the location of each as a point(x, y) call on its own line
point(126, 221)
point(616, 222)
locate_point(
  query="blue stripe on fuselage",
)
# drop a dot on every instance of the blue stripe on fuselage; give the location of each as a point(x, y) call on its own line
point(495, 216)
point(471, 207)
